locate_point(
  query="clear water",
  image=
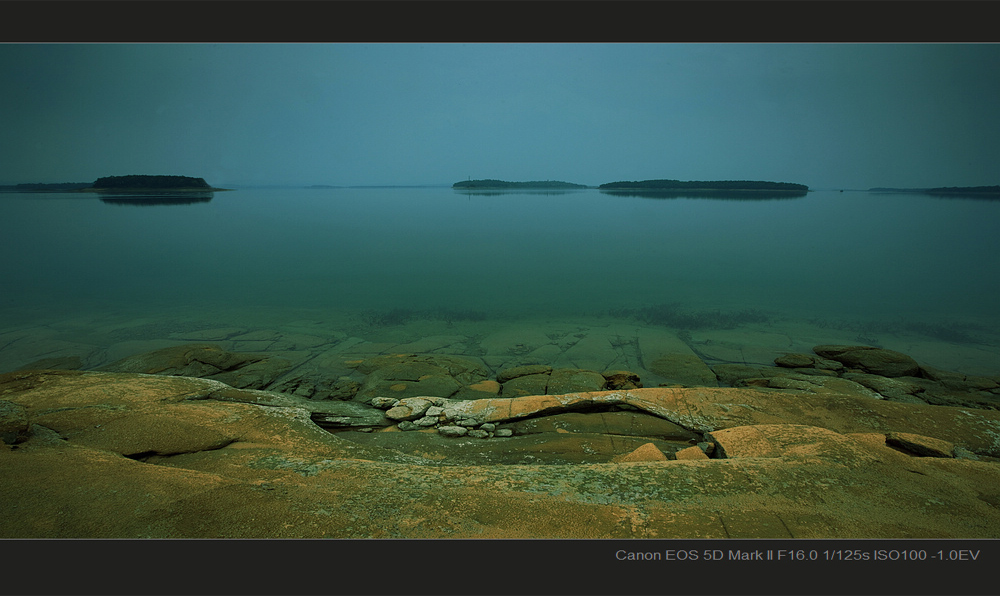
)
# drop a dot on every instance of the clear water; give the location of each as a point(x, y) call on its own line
point(275, 254)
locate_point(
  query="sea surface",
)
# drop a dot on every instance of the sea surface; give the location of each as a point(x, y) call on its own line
point(871, 263)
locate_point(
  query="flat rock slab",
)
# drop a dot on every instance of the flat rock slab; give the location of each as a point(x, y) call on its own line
point(242, 370)
point(283, 477)
point(683, 369)
point(920, 445)
point(708, 409)
point(632, 424)
point(877, 361)
point(542, 449)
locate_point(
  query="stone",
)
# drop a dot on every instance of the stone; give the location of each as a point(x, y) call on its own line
point(957, 381)
point(644, 453)
point(899, 389)
point(488, 427)
point(504, 432)
point(799, 466)
point(407, 425)
point(14, 423)
point(592, 352)
point(514, 372)
point(413, 375)
point(684, 369)
point(479, 434)
point(816, 372)
point(615, 423)
point(877, 361)
point(621, 379)
point(569, 380)
point(729, 374)
point(535, 384)
point(384, 403)
point(452, 431)
point(920, 445)
point(240, 370)
point(480, 390)
point(794, 360)
point(434, 411)
point(813, 384)
point(705, 409)
point(426, 421)
point(827, 364)
point(409, 408)
point(788, 440)
point(693, 452)
point(327, 414)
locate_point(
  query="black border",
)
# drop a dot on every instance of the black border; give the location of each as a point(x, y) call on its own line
point(483, 566)
point(286, 567)
point(497, 21)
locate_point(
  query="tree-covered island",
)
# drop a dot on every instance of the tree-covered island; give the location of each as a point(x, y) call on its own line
point(501, 184)
point(134, 184)
point(706, 186)
point(143, 183)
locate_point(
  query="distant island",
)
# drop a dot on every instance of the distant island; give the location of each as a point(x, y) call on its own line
point(142, 183)
point(965, 191)
point(706, 186)
point(133, 184)
point(501, 184)
point(46, 187)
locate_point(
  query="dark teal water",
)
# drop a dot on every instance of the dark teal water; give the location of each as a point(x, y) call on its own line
point(829, 254)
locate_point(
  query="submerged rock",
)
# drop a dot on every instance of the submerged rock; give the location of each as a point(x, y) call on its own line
point(240, 370)
point(877, 361)
point(412, 375)
point(684, 369)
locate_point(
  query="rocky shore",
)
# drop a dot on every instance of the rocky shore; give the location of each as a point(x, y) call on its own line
point(196, 440)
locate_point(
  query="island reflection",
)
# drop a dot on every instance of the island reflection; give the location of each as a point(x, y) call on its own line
point(154, 199)
point(727, 195)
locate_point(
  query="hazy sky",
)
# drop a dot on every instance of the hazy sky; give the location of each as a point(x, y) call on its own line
point(825, 115)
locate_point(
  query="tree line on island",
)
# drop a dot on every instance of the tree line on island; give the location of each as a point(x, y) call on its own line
point(705, 185)
point(498, 184)
point(642, 185)
point(132, 183)
point(136, 181)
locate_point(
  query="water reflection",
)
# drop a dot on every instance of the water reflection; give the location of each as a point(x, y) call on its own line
point(149, 199)
point(727, 195)
point(971, 195)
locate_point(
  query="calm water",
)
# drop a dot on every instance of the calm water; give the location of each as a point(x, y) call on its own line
point(830, 254)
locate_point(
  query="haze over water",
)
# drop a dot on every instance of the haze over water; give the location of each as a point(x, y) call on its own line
point(829, 255)
point(257, 117)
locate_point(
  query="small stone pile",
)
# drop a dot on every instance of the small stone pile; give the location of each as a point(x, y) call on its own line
point(418, 413)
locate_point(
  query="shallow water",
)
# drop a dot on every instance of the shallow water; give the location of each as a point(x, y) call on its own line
point(852, 261)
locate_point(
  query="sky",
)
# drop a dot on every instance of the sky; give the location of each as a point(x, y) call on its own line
point(829, 116)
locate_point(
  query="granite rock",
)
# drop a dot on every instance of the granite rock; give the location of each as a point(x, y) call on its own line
point(165, 457)
point(877, 361)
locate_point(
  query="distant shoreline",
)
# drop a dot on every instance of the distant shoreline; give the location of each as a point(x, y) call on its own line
point(132, 184)
point(490, 184)
point(944, 190)
point(663, 185)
